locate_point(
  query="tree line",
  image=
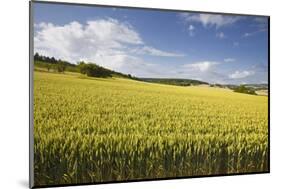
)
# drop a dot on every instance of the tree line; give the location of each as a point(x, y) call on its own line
point(89, 69)
point(244, 89)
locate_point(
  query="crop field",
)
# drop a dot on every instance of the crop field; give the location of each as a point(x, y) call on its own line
point(99, 130)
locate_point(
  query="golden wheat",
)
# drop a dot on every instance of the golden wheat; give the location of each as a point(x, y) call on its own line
point(98, 130)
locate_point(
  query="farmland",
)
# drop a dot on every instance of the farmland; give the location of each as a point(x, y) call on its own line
point(109, 129)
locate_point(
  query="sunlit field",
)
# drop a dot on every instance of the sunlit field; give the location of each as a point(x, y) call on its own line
point(90, 129)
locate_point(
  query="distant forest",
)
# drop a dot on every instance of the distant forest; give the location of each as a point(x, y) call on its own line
point(172, 81)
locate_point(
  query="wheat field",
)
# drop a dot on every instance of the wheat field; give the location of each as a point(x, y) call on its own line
point(114, 129)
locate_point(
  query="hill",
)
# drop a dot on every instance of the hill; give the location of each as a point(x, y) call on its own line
point(149, 124)
point(45, 63)
point(52, 64)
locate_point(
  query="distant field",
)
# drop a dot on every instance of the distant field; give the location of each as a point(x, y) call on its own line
point(95, 130)
point(262, 92)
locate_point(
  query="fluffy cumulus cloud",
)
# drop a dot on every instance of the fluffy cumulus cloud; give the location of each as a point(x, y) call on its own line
point(107, 42)
point(229, 60)
point(209, 20)
point(241, 74)
point(209, 71)
point(201, 66)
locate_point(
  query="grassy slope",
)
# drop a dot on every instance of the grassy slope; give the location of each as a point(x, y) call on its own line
point(76, 117)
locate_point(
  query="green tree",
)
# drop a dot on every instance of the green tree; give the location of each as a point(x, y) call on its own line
point(82, 67)
point(93, 70)
point(61, 66)
point(244, 89)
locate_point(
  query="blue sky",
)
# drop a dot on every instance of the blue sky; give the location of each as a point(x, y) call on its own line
point(150, 43)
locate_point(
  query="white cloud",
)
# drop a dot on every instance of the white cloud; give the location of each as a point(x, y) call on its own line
point(191, 29)
point(107, 42)
point(155, 52)
point(74, 41)
point(220, 35)
point(206, 20)
point(112, 30)
point(249, 34)
point(201, 66)
point(229, 60)
point(241, 74)
point(118, 46)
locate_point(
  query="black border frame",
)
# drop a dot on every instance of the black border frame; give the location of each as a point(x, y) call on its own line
point(31, 59)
